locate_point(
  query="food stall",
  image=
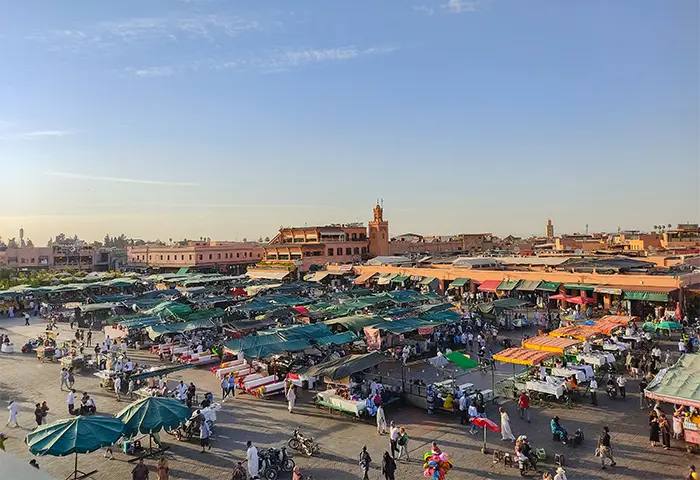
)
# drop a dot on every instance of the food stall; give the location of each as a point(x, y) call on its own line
point(529, 357)
point(678, 385)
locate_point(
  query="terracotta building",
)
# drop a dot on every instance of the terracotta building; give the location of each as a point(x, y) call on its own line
point(74, 256)
point(231, 256)
point(468, 243)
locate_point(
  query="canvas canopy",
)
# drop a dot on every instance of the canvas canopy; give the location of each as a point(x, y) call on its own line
point(262, 351)
point(579, 332)
point(549, 344)
point(528, 285)
point(356, 323)
point(161, 371)
point(364, 277)
point(98, 307)
point(489, 285)
point(156, 331)
point(343, 367)
point(608, 323)
point(461, 360)
point(460, 282)
point(337, 339)
point(522, 356)
point(679, 384)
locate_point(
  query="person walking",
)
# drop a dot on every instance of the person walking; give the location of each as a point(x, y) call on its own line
point(665, 429)
point(224, 388)
point(463, 407)
point(402, 442)
point(140, 471)
point(594, 395)
point(291, 398)
point(506, 432)
point(71, 377)
point(89, 338)
point(232, 386)
point(605, 449)
point(388, 467)
point(64, 379)
point(365, 462)
point(70, 400)
point(473, 413)
point(654, 430)
point(561, 474)
point(621, 382)
point(381, 420)
point(38, 415)
point(204, 433)
point(252, 459)
point(118, 387)
point(162, 469)
point(13, 407)
point(642, 401)
point(524, 406)
point(393, 438)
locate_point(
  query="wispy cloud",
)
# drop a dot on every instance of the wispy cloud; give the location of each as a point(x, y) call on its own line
point(279, 61)
point(6, 124)
point(80, 176)
point(424, 9)
point(461, 6)
point(48, 133)
point(136, 31)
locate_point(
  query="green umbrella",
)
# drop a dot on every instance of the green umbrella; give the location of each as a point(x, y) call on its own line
point(151, 414)
point(669, 326)
point(649, 327)
point(75, 435)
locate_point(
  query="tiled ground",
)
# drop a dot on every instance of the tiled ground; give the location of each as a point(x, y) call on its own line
point(267, 423)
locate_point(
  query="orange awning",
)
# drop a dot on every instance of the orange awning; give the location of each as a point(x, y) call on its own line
point(579, 332)
point(364, 277)
point(608, 323)
point(522, 356)
point(549, 344)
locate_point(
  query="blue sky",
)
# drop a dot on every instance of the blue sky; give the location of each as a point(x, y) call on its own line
point(228, 118)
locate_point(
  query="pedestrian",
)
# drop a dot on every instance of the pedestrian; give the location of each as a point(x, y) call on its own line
point(692, 474)
point(402, 442)
point(13, 407)
point(2, 441)
point(621, 382)
point(70, 400)
point(204, 433)
point(388, 467)
point(642, 386)
point(594, 395)
point(291, 398)
point(561, 474)
point(252, 459)
point(140, 471)
point(89, 338)
point(132, 386)
point(71, 377)
point(393, 438)
point(506, 432)
point(463, 406)
point(365, 461)
point(654, 430)
point(232, 386)
point(605, 449)
point(678, 423)
point(162, 469)
point(38, 415)
point(473, 414)
point(44, 411)
point(118, 387)
point(224, 388)
point(665, 429)
point(240, 474)
point(123, 347)
point(34, 463)
point(64, 378)
point(524, 406)
point(26, 319)
point(381, 420)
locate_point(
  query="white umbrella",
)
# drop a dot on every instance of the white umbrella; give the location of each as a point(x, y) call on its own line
point(13, 467)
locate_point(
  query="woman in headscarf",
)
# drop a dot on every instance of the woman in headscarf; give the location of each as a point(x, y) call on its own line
point(388, 466)
point(365, 462)
point(653, 428)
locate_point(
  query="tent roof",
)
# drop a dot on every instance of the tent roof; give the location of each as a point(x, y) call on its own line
point(608, 323)
point(549, 344)
point(678, 384)
point(262, 351)
point(343, 367)
point(356, 323)
point(579, 332)
point(461, 360)
point(337, 339)
point(522, 356)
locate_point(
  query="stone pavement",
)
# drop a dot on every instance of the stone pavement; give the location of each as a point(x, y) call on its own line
point(267, 423)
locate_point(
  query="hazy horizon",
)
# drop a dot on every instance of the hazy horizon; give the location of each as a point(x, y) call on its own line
point(189, 118)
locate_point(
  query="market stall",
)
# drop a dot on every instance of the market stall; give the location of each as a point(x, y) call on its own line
point(552, 344)
point(578, 332)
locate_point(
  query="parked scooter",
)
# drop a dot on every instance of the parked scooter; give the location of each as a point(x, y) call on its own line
point(305, 445)
point(266, 466)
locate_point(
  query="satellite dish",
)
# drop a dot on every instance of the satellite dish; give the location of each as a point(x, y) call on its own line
point(578, 251)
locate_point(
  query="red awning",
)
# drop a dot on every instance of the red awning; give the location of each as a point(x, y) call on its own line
point(489, 285)
point(559, 296)
point(302, 310)
point(579, 300)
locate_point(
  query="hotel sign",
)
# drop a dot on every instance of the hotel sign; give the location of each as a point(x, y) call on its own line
point(608, 290)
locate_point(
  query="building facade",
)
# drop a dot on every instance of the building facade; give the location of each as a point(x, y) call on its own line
point(73, 256)
point(378, 230)
point(549, 230)
point(467, 243)
point(231, 256)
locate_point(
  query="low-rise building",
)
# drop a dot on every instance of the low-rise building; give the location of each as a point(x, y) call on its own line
point(469, 243)
point(686, 235)
point(228, 256)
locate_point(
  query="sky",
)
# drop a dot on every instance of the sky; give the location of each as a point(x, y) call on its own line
point(230, 118)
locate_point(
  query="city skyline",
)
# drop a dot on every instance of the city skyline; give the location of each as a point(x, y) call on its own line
point(177, 118)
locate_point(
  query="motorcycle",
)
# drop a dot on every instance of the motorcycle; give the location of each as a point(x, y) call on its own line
point(611, 391)
point(267, 467)
point(280, 458)
point(305, 445)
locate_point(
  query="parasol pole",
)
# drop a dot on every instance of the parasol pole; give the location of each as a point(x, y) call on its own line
point(484, 449)
point(75, 472)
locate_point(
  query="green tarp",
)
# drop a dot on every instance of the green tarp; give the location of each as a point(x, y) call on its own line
point(98, 307)
point(445, 316)
point(156, 331)
point(238, 344)
point(344, 367)
point(580, 286)
point(169, 309)
point(461, 360)
point(355, 323)
point(404, 325)
point(460, 282)
point(309, 331)
point(548, 286)
point(427, 280)
point(400, 278)
point(81, 434)
point(182, 271)
point(679, 384)
point(501, 304)
point(337, 339)
point(111, 298)
point(140, 322)
point(161, 371)
point(528, 285)
point(506, 286)
point(646, 296)
point(263, 351)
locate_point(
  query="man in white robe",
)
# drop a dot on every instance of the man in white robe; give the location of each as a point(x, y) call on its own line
point(13, 407)
point(291, 398)
point(506, 432)
point(253, 462)
point(381, 420)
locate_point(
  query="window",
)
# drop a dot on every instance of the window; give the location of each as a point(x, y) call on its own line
point(364, 250)
point(210, 256)
point(363, 236)
point(354, 236)
point(32, 260)
point(272, 257)
point(200, 257)
point(238, 255)
point(245, 254)
point(339, 251)
point(330, 252)
point(219, 256)
point(190, 257)
point(258, 255)
point(168, 257)
point(357, 251)
point(22, 260)
point(161, 257)
point(348, 251)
